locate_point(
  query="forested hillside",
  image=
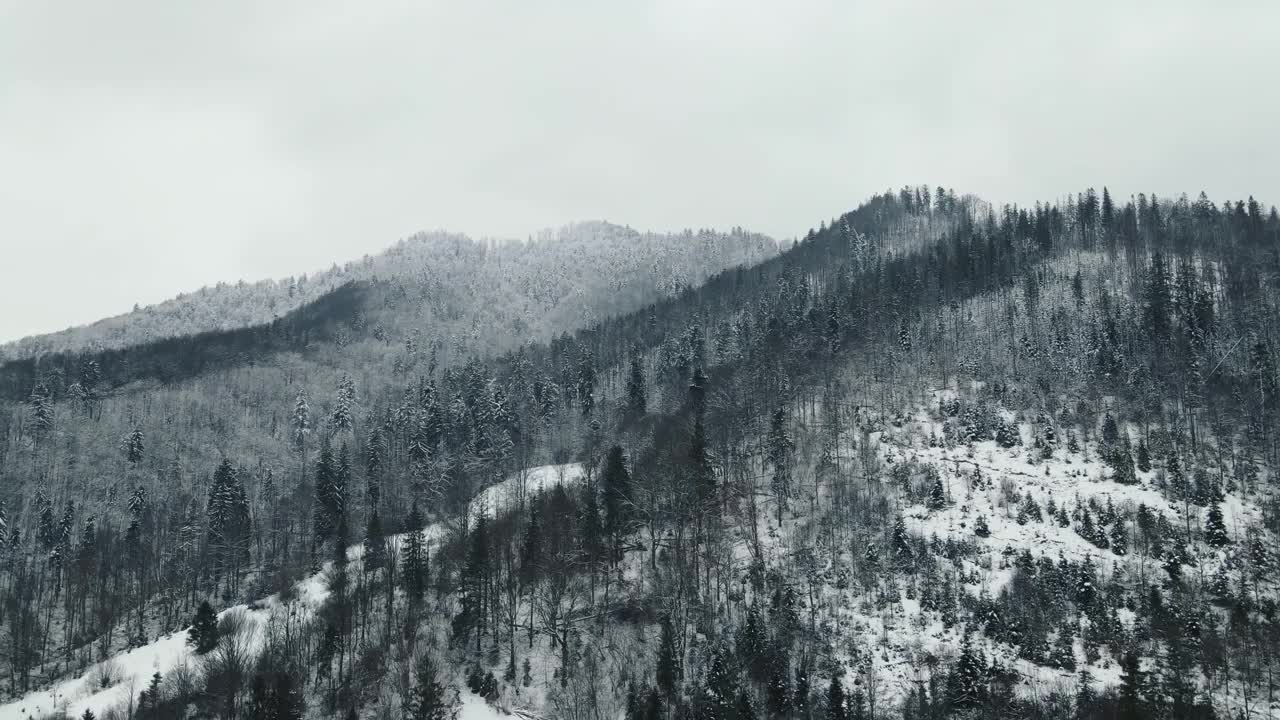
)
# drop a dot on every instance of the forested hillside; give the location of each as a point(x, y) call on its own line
point(937, 459)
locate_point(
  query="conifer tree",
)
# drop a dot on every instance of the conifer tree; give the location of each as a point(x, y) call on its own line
point(375, 453)
point(637, 397)
point(324, 512)
point(475, 581)
point(901, 543)
point(744, 709)
point(966, 686)
point(430, 699)
point(857, 705)
point(937, 494)
point(980, 527)
point(1085, 696)
point(800, 698)
point(415, 556)
point(204, 629)
point(1131, 682)
point(751, 646)
point(778, 690)
point(703, 478)
point(722, 684)
point(780, 448)
point(652, 705)
point(531, 546)
point(1119, 538)
point(375, 549)
point(1064, 649)
point(617, 497)
point(835, 700)
point(668, 663)
point(133, 446)
point(41, 412)
point(343, 405)
point(1110, 432)
point(301, 424)
point(586, 381)
point(1215, 529)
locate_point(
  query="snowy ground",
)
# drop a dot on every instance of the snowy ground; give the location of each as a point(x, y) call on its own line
point(899, 641)
point(134, 669)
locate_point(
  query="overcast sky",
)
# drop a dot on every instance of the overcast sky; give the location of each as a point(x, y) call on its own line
point(147, 148)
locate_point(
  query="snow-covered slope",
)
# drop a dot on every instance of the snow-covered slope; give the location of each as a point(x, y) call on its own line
point(130, 672)
point(891, 641)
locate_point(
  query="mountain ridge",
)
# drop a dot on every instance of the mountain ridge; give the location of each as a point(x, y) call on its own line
point(253, 303)
point(829, 482)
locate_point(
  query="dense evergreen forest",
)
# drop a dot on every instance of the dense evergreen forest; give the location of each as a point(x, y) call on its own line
point(936, 459)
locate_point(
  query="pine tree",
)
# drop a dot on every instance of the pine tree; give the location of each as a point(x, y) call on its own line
point(780, 448)
point(668, 663)
point(415, 556)
point(1110, 432)
point(637, 399)
point(1131, 704)
point(652, 705)
point(1007, 434)
point(133, 446)
point(1064, 649)
point(800, 698)
point(751, 646)
point(586, 381)
point(967, 682)
point(722, 684)
point(980, 527)
point(590, 527)
point(531, 546)
point(703, 477)
point(1144, 456)
point(1121, 459)
point(1119, 539)
point(430, 699)
point(937, 494)
point(901, 543)
point(41, 412)
point(301, 420)
point(204, 629)
point(778, 689)
point(635, 710)
point(744, 709)
point(341, 419)
point(324, 512)
point(375, 452)
point(835, 700)
point(475, 580)
point(1215, 529)
point(617, 497)
point(1085, 696)
point(857, 704)
point(47, 530)
point(149, 698)
point(375, 549)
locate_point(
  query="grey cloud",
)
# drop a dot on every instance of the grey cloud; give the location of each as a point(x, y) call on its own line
point(148, 148)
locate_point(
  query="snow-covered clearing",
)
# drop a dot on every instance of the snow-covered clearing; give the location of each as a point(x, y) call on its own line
point(130, 672)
